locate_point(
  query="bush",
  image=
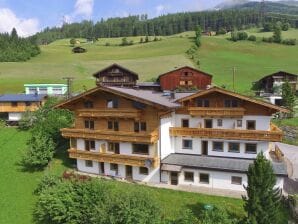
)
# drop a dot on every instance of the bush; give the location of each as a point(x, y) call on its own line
point(221, 31)
point(289, 41)
point(252, 38)
point(216, 216)
point(234, 36)
point(242, 35)
point(285, 26)
point(267, 39)
point(268, 27)
point(107, 44)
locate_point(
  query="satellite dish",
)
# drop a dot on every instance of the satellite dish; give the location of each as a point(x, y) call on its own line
point(148, 163)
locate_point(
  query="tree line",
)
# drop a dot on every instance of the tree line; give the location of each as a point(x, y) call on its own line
point(170, 24)
point(14, 48)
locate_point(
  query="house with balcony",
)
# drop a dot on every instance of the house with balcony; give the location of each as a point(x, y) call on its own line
point(46, 89)
point(270, 86)
point(204, 138)
point(13, 106)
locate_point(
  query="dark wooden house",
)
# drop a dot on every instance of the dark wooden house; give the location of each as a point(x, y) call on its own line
point(116, 75)
point(271, 83)
point(184, 78)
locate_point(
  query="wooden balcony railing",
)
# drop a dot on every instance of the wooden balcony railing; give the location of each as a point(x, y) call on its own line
point(19, 108)
point(114, 158)
point(115, 113)
point(274, 134)
point(119, 136)
point(216, 111)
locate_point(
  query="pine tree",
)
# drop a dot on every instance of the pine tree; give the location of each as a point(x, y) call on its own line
point(198, 36)
point(277, 33)
point(263, 199)
point(288, 97)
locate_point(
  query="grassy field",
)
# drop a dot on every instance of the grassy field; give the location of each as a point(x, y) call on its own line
point(16, 189)
point(218, 56)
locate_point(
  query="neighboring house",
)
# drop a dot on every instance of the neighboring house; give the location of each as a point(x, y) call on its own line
point(207, 138)
point(12, 106)
point(46, 89)
point(116, 75)
point(270, 86)
point(184, 78)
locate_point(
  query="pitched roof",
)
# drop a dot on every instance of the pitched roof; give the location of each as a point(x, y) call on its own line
point(237, 95)
point(21, 97)
point(184, 68)
point(278, 73)
point(96, 74)
point(145, 96)
point(218, 163)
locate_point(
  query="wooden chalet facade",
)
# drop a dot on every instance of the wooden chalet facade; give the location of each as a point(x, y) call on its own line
point(184, 78)
point(116, 75)
point(207, 138)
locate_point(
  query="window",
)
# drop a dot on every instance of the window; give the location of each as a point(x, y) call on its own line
point(236, 180)
point(14, 104)
point(251, 125)
point(188, 83)
point(140, 126)
point(231, 103)
point(204, 178)
point(27, 104)
point(188, 176)
point(114, 167)
point(43, 90)
point(208, 123)
point(89, 124)
point(239, 123)
point(113, 125)
point(114, 147)
point(88, 163)
point(185, 123)
point(57, 90)
point(89, 145)
point(234, 147)
point(202, 103)
point(251, 148)
point(182, 82)
point(140, 149)
point(219, 122)
point(88, 104)
point(187, 144)
point(218, 146)
point(112, 103)
point(143, 171)
point(32, 90)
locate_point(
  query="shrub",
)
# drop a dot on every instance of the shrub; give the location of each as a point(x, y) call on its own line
point(234, 36)
point(107, 44)
point(267, 39)
point(289, 41)
point(268, 27)
point(216, 216)
point(221, 31)
point(285, 26)
point(242, 35)
point(252, 38)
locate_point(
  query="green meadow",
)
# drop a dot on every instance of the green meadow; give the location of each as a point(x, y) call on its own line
point(218, 56)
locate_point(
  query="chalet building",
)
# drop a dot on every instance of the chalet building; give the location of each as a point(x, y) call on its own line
point(207, 138)
point(46, 89)
point(184, 79)
point(269, 86)
point(12, 106)
point(116, 75)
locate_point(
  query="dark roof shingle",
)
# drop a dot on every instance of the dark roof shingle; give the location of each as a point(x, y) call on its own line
point(21, 97)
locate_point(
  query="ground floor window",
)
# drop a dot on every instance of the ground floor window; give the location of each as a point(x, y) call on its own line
point(143, 171)
point(234, 147)
point(188, 176)
point(251, 148)
point(204, 178)
point(114, 167)
point(236, 180)
point(88, 163)
point(187, 144)
point(218, 146)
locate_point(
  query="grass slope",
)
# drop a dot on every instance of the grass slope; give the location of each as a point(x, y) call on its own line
point(217, 56)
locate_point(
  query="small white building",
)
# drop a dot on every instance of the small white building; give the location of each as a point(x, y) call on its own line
point(46, 89)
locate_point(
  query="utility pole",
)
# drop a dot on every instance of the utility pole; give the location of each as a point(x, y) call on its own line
point(234, 73)
point(69, 86)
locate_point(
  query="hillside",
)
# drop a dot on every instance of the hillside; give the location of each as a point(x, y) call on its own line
point(217, 55)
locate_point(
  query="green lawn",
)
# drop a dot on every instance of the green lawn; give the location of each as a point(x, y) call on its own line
point(217, 56)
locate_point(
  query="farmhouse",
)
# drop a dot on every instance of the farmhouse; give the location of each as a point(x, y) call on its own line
point(46, 89)
point(269, 86)
point(207, 138)
point(12, 106)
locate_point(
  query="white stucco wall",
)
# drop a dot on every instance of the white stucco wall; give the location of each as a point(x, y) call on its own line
point(166, 142)
point(14, 116)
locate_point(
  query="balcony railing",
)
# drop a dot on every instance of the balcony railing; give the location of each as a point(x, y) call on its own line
point(116, 113)
point(114, 158)
point(274, 134)
point(119, 136)
point(216, 111)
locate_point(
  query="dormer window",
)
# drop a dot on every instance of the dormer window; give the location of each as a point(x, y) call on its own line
point(112, 103)
point(231, 103)
point(88, 104)
point(202, 103)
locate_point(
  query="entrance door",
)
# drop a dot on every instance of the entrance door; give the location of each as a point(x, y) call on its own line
point(174, 178)
point(208, 123)
point(128, 170)
point(205, 148)
point(102, 168)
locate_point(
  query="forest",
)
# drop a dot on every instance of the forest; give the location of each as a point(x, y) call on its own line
point(14, 48)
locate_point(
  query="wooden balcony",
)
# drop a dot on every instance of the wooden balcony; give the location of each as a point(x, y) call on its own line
point(128, 113)
point(19, 108)
point(216, 111)
point(119, 136)
point(274, 134)
point(113, 158)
